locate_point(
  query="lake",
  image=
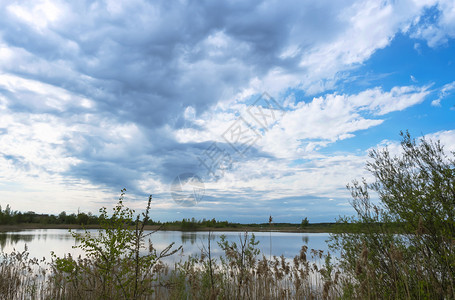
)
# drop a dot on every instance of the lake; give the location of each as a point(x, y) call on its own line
point(40, 242)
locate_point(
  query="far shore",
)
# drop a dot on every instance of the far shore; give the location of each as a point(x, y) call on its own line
point(311, 228)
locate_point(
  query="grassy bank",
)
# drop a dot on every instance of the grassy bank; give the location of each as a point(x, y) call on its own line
point(283, 227)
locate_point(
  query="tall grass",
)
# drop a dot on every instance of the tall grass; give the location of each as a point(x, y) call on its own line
point(242, 272)
point(22, 277)
point(245, 273)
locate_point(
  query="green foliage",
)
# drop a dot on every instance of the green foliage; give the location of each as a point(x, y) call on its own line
point(114, 264)
point(7, 216)
point(193, 224)
point(305, 222)
point(416, 192)
point(241, 258)
point(10, 217)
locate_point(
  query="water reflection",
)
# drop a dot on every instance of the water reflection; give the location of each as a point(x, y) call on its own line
point(41, 242)
point(305, 239)
point(193, 237)
point(11, 239)
point(188, 237)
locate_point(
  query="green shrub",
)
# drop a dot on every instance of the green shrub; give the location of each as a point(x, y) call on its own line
point(114, 267)
point(416, 192)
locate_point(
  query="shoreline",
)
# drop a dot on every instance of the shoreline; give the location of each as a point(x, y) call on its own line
point(314, 228)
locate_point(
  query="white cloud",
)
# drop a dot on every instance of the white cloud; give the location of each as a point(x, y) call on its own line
point(33, 94)
point(308, 127)
point(39, 16)
point(364, 27)
point(311, 126)
point(399, 98)
point(439, 32)
point(446, 90)
point(447, 138)
point(262, 180)
point(325, 176)
point(36, 142)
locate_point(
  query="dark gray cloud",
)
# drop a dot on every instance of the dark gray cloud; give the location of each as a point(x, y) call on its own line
point(145, 64)
point(148, 61)
point(127, 71)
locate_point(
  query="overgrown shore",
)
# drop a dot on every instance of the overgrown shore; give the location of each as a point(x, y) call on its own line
point(310, 228)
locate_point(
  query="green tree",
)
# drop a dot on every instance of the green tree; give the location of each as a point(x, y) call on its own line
point(305, 222)
point(83, 219)
point(405, 244)
point(62, 217)
point(71, 219)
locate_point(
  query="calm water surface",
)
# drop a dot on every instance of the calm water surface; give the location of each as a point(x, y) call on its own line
point(40, 242)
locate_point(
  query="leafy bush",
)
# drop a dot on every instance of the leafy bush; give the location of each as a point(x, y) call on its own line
point(405, 244)
point(114, 266)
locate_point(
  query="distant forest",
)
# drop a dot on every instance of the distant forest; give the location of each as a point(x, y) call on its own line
point(10, 217)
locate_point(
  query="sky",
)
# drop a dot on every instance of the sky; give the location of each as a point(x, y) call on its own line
point(234, 110)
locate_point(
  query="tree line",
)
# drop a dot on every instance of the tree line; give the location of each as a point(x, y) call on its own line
point(12, 217)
